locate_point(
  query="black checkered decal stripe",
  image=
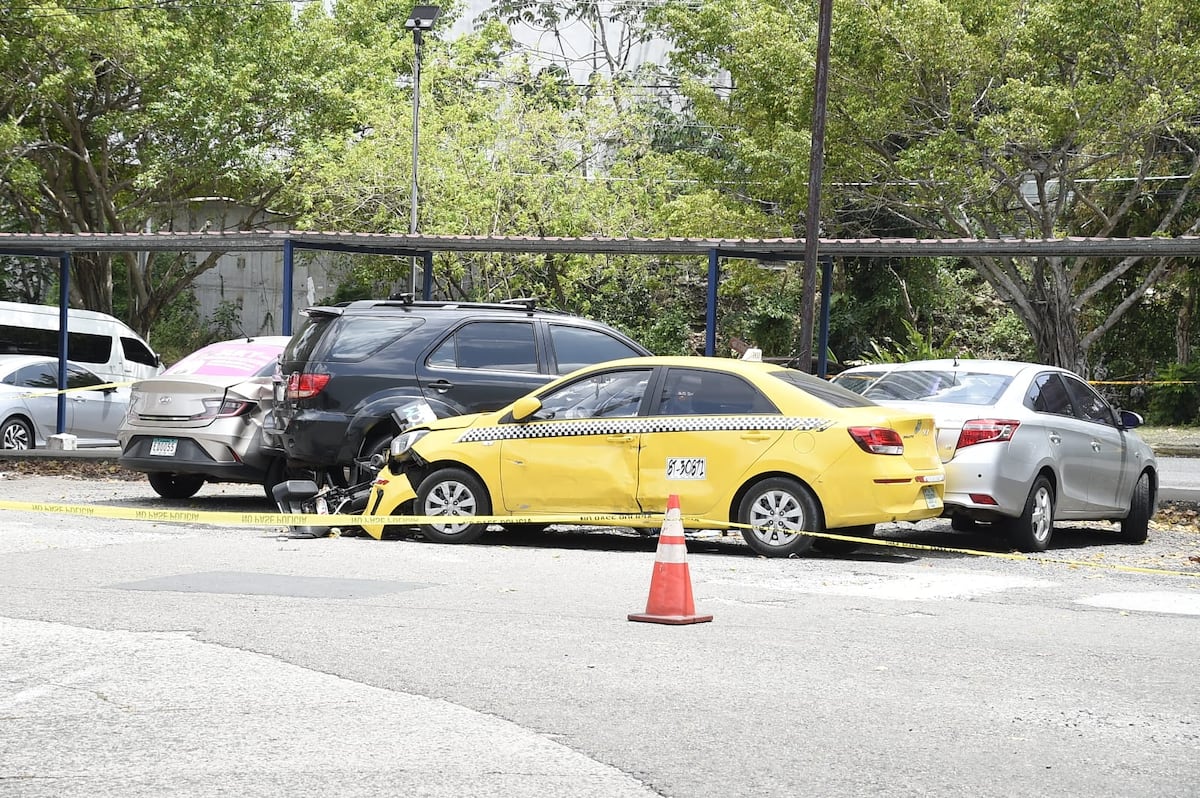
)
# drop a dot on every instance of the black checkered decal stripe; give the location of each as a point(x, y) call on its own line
point(638, 426)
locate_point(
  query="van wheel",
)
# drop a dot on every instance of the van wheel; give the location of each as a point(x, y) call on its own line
point(175, 486)
point(16, 434)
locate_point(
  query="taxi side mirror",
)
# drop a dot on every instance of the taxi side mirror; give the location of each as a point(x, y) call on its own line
point(524, 408)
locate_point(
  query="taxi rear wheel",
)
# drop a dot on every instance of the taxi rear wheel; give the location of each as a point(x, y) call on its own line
point(453, 492)
point(779, 509)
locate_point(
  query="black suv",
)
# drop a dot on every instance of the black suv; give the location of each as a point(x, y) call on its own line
point(349, 366)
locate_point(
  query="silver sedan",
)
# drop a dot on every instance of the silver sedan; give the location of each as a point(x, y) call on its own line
point(1025, 444)
point(201, 420)
point(29, 403)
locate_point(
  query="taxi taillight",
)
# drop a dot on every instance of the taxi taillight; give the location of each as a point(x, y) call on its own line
point(877, 440)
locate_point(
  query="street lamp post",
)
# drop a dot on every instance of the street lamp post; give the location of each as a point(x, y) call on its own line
point(420, 20)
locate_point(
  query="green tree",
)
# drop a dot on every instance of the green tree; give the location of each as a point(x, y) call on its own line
point(113, 116)
point(506, 150)
point(969, 118)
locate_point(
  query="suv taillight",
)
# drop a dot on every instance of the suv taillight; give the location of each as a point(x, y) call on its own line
point(305, 386)
point(877, 440)
point(986, 430)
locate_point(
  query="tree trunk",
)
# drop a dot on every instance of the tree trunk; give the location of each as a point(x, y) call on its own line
point(1183, 325)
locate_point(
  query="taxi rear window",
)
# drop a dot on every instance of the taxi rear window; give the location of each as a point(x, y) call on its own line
point(827, 392)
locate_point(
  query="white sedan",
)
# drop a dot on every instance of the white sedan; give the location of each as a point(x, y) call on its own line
point(1025, 444)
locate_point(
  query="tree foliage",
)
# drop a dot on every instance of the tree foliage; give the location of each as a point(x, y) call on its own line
point(114, 116)
point(966, 118)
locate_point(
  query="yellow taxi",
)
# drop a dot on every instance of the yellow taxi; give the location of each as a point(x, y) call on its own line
point(770, 449)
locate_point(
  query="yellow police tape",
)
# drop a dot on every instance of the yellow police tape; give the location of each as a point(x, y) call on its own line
point(645, 520)
point(55, 392)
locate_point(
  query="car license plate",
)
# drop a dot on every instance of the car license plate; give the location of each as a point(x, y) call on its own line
point(931, 497)
point(163, 447)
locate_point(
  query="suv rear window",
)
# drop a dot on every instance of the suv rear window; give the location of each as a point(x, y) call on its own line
point(359, 337)
point(299, 349)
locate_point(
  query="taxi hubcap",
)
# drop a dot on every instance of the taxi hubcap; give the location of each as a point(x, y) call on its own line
point(776, 517)
point(450, 498)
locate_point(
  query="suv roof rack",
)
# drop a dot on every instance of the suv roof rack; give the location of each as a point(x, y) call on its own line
point(523, 304)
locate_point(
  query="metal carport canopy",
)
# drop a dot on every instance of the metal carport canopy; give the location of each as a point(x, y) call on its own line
point(421, 245)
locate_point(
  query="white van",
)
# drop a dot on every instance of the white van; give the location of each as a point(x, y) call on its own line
point(98, 341)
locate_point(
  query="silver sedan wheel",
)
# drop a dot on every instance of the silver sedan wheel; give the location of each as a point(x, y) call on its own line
point(1042, 517)
point(1031, 530)
point(16, 435)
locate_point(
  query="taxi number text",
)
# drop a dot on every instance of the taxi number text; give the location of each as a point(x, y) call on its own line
point(686, 468)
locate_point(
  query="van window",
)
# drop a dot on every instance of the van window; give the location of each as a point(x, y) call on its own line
point(84, 347)
point(137, 352)
point(27, 341)
point(88, 348)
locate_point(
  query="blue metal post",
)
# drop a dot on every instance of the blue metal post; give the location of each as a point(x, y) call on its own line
point(823, 335)
point(64, 304)
point(710, 318)
point(288, 277)
point(427, 281)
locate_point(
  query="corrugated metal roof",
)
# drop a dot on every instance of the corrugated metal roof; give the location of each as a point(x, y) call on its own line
point(51, 244)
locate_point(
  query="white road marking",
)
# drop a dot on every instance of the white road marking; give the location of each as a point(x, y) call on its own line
point(1156, 601)
point(920, 587)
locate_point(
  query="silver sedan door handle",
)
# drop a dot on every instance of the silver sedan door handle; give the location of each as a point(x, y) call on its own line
point(1095, 446)
point(1055, 438)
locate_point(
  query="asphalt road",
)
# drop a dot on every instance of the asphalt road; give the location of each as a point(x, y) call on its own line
point(143, 659)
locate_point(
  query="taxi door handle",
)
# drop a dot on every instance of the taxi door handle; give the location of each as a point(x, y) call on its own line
point(620, 438)
point(756, 436)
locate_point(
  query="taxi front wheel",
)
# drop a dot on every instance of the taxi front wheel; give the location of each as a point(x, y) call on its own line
point(779, 510)
point(453, 492)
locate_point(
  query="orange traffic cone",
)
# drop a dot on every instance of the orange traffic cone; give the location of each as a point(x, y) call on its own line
point(671, 585)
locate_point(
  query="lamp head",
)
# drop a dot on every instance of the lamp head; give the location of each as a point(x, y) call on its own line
point(422, 17)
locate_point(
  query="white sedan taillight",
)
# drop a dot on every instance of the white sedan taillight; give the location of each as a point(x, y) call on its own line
point(986, 430)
